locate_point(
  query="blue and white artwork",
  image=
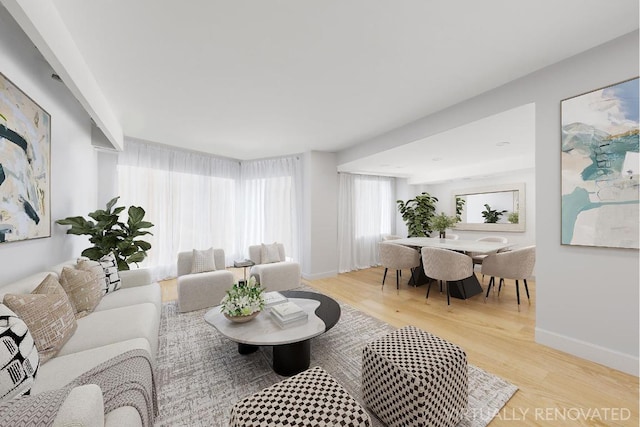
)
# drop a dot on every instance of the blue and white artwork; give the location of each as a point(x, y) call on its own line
point(25, 156)
point(600, 167)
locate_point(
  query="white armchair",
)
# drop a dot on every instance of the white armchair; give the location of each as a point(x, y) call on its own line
point(274, 275)
point(202, 290)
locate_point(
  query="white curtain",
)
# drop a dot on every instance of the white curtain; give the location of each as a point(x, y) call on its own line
point(366, 207)
point(272, 203)
point(197, 201)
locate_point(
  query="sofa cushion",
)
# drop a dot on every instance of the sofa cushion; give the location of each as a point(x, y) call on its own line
point(18, 356)
point(270, 253)
point(111, 277)
point(132, 296)
point(48, 315)
point(61, 370)
point(118, 324)
point(202, 261)
point(83, 289)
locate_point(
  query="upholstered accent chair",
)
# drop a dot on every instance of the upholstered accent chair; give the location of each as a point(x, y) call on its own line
point(203, 289)
point(446, 266)
point(515, 264)
point(398, 257)
point(273, 272)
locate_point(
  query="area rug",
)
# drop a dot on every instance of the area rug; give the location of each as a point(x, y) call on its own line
point(200, 374)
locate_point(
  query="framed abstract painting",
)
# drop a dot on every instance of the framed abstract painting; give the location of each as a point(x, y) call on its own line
point(25, 166)
point(600, 167)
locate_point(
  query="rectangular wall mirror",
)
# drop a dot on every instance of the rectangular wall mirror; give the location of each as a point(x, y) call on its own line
point(494, 208)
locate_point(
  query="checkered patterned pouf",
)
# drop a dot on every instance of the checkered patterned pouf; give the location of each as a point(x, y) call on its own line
point(310, 398)
point(413, 378)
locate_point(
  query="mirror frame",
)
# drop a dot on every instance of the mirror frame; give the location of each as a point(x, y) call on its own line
point(519, 227)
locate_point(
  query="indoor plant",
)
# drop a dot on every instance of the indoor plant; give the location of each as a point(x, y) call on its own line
point(442, 222)
point(491, 216)
point(513, 217)
point(109, 235)
point(417, 213)
point(243, 301)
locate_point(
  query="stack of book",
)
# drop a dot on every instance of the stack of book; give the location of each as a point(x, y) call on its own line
point(288, 314)
point(273, 298)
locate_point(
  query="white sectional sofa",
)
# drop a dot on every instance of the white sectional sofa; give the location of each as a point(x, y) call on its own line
point(126, 319)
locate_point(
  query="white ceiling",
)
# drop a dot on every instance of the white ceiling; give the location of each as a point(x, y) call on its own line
point(251, 79)
point(497, 144)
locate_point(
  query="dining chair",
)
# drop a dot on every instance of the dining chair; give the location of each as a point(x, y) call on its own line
point(478, 257)
point(387, 237)
point(447, 266)
point(398, 257)
point(516, 264)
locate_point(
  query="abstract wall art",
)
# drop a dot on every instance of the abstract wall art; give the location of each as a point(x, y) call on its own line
point(25, 159)
point(600, 167)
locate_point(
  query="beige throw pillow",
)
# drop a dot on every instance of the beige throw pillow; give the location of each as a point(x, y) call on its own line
point(94, 267)
point(48, 314)
point(203, 261)
point(83, 289)
point(270, 253)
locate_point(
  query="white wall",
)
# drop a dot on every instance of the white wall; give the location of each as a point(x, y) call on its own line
point(73, 160)
point(587, 297)
point(320, 241)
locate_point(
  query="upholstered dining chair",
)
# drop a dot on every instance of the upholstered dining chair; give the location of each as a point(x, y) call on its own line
point(447, 266)
point(516, 264)
point(479, 257)
point(398, 257)
point(387, 237)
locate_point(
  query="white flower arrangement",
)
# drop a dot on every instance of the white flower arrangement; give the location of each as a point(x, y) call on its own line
point(243, 299)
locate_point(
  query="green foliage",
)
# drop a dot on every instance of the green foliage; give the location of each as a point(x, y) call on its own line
point(513, 217)
point(108, 234)
point(417, 213)
point(442, 222)
point(459, 206)
point(491, 216)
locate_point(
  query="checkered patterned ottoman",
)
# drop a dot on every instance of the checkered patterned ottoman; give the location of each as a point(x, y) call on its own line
point(310, 398)
point(413, 378)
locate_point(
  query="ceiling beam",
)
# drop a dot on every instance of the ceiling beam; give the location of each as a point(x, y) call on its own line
point(41, 22)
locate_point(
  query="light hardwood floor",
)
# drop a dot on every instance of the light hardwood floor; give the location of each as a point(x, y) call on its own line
point(555, 388)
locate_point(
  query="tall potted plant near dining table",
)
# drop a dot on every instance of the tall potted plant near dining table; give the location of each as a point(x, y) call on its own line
point(418, 213)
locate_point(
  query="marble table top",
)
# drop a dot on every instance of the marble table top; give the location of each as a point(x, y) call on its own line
point(451, 244)
point(264, 331)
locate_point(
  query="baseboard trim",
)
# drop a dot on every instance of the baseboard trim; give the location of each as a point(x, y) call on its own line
point(316, 276)
point(595, 353)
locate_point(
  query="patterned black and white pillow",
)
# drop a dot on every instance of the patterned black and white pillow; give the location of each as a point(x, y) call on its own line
point(111, 276)
point(19, 359)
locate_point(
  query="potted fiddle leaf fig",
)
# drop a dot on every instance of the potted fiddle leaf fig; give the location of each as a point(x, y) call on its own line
point(417, 214)
point(110, 235)
point(442, 222)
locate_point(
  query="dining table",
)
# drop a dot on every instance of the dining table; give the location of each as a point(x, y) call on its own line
point(471, 284)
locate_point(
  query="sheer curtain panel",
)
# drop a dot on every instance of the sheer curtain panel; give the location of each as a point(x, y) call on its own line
point(190, 197)
point(271, 203)
point(366, 209)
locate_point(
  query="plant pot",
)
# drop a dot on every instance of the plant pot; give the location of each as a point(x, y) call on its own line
point(242, 319)
point(443, 234)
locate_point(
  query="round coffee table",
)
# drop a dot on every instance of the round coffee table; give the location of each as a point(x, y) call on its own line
point(291, 345)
